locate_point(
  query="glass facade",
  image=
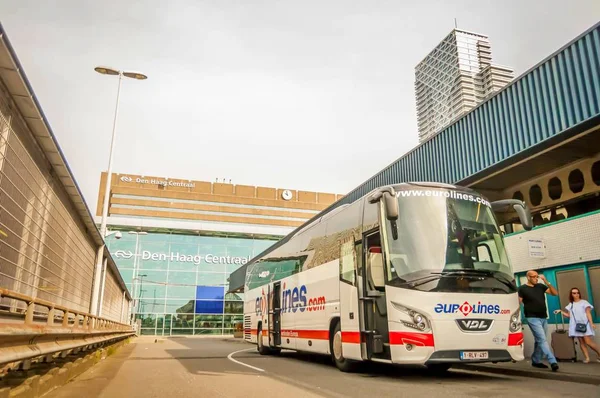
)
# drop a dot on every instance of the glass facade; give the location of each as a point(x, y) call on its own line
point(179, 281)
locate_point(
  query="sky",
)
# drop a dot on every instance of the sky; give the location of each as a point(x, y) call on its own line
point(308, 95)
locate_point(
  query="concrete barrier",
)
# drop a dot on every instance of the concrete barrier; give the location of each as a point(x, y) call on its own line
point(43, 378)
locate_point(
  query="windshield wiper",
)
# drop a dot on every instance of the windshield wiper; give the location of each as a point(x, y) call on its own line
point(476, 272)
point(423, 280)
point(459, 272)
point(466, 271)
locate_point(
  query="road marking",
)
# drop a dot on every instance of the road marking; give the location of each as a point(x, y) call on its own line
point(230, 357)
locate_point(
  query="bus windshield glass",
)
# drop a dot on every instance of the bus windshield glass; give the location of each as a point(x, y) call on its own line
point(447, 241)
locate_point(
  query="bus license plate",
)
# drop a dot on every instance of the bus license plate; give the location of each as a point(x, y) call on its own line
point(473, 355)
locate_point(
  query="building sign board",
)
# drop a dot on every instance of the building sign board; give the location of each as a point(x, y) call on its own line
point(537, 248)
point(154, 181)
point(195, 259)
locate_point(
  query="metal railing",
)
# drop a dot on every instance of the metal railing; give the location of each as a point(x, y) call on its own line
point(43, 330)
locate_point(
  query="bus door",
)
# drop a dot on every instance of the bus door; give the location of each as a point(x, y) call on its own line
point(374, 322)
point(274, 311)
point(350, 307)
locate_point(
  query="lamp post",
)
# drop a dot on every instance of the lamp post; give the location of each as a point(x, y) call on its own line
point(134, 312)
point(136, 266)
point(141, 278)
point(113, 72)
point(95, 300)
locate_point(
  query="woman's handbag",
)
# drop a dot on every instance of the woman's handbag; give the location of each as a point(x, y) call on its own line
point(579, 327)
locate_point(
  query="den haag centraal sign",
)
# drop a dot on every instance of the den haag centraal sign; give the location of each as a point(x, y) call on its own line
point(154, 181)
point(195, 259)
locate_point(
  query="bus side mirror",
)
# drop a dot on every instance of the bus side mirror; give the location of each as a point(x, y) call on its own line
point(390, 205)
point(520, 207)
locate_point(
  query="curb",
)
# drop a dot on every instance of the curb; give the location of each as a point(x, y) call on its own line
point(549, 375)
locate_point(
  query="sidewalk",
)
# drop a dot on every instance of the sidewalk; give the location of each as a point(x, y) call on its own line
point(577, 372)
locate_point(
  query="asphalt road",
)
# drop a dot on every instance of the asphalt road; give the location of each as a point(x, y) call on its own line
point(191, 367)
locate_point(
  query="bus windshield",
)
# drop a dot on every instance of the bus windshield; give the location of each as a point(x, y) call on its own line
point(447, 241)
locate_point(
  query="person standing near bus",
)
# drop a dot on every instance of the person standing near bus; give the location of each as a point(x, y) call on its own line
point(533, 297)
point(579, 310)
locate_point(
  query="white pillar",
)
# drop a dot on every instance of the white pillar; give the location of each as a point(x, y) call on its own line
point(102, 287)
point(123, 317)
point(97, 281)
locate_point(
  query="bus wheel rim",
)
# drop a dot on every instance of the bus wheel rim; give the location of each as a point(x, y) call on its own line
point(337, 346)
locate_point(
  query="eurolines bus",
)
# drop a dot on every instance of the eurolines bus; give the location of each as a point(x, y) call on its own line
point(414, 273)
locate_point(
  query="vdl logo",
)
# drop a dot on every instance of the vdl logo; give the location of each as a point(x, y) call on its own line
point(474, 325)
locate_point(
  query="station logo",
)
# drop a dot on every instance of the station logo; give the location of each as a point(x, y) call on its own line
point(126, 254)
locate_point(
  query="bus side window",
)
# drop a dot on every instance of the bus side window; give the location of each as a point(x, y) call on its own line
point(375, 267)
point(347, 263)
point(358, 247)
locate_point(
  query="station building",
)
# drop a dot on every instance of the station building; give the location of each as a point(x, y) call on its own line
point(175, 243)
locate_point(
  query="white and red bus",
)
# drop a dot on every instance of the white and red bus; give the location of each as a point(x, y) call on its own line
point(414, 273)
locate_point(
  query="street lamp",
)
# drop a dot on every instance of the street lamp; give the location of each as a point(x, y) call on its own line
point(113, 72)
point(136, 266)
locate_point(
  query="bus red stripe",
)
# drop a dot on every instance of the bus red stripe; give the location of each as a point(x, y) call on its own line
point(351, 337)
point(306, 334)
point(347, 337)
point(418, 339)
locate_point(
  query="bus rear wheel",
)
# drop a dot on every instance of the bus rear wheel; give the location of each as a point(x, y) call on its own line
point(343, 364)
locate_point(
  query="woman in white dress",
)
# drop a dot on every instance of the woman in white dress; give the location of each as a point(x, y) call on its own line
point(580, 311)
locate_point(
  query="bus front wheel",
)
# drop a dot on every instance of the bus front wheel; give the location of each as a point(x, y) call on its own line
point(343, 364)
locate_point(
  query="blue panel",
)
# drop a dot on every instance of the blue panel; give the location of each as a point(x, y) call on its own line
point(210, 292)
point(506, 130)
point(584, 106)
point(594, 67)
point(545, 100)
point(209, 307)
point(511, 120)
point(561, 83)
point(587, 80)
point(572, 86)
point(209, 299)
point(521, 120)
point(468, 128)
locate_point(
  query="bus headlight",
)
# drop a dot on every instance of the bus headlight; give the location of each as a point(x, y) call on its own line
point(515, 321)
point(415, 320)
